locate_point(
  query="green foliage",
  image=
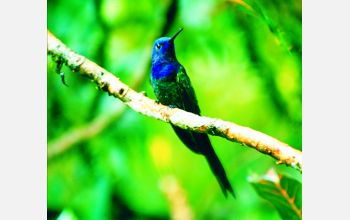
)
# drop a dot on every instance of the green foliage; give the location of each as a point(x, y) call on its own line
point(283, 192)
point(244, 61)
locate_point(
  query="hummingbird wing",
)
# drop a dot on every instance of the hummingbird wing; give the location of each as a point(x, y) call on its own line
point(187, 102)
point(198, 142)
point(189, 99)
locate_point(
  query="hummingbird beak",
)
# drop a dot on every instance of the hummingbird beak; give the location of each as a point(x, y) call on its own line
point(175, 35)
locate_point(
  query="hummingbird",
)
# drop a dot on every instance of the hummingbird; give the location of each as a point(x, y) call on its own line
point(173, 88)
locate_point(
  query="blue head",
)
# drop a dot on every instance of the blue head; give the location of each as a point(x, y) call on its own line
point(163, 49)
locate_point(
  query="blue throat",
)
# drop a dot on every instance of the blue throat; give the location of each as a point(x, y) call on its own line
point(163, 70)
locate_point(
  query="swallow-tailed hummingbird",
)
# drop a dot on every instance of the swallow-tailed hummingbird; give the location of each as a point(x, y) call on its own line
point(173, 88)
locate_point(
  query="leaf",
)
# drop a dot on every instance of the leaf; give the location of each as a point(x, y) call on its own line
point(67, 214)
point(283, 192)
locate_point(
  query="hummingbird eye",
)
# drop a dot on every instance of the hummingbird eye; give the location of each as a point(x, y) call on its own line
point(158, 46)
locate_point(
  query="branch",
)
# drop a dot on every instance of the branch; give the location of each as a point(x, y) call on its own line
point(176, 196)
point(79, 134)
point(107, 82)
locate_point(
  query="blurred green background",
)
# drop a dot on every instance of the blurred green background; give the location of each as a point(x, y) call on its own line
point(107, 162)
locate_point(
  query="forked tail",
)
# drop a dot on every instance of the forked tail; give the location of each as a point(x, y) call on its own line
point(215, 165)
point(219, 172)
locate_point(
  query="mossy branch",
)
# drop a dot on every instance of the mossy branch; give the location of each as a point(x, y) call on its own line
point(109, 83)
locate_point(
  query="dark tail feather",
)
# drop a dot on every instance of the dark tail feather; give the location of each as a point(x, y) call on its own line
point(214, 163)
point(218, 170)
point(200, 143)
